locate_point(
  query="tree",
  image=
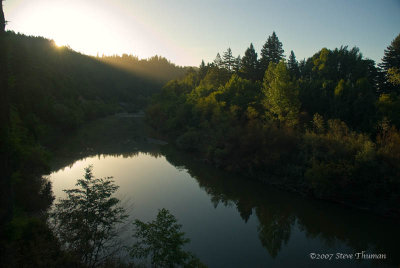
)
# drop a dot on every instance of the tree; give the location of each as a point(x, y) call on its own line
point(271, 52)
point(281, 94)
point(228, 60)
point(391, 58)
point(394, 76)
point(293, 65)
point(390, 64)
point(2, 19)
point(237, 64)
point(163, 241)
point(218, 61)
point(85, 222)
point(202, 70)
point(249, 64)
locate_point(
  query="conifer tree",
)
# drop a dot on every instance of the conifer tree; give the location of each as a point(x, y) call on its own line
point(249, 64)
point(237, 64)
point(271, 52)
point(218, 61)
point(228, 60)
point(390, 66)
point(293, 65)
point(202, 70)
point(391, 58)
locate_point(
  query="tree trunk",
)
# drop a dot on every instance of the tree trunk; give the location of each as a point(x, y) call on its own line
point(2, 19)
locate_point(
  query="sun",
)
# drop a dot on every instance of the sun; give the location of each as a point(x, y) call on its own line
point(60, 43)
point(84, 27)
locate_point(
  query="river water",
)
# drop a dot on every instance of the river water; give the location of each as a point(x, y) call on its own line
point(231, 221)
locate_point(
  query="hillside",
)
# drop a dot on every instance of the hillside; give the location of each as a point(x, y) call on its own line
point(46, 93)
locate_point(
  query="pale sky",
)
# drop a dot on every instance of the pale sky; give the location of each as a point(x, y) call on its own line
point(186, 31)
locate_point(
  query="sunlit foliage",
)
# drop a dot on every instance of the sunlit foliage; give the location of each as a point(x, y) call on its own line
point(313, 127)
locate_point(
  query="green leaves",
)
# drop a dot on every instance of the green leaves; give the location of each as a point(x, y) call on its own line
point(85, 221)
point(281, 94)
point(162, 241)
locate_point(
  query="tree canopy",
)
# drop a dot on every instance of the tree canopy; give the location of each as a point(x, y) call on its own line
point(249, 64)
point(271, 51)
point(162, 241)
point(321, 126)
point(85, 221)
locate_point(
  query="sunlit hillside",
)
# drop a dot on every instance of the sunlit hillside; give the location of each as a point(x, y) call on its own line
point(56, 86)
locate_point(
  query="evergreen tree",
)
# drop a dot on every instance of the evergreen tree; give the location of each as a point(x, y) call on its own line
point(391, 58)
point(293, 65)
point(237, 64)
point(271, 52)
point(202, 70)
point(249, 64)
point(218, 61)
point(228, 60)
point(390, 66)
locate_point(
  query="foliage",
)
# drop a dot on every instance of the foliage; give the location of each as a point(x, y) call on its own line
point(271, 51)
point(281, 94)
point(390, 66)
point(249, 64)
point(162, 240)
point(391, 58)
point(293, 66)
point(228, 60)
point(85, 221)
point(394, 76)
point(265, 129)
point(47, 92)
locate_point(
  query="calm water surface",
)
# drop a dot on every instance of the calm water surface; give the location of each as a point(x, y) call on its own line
point(231, 221)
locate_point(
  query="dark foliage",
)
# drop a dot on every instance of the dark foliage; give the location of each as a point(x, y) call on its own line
point(321, 127)
point(46, 92)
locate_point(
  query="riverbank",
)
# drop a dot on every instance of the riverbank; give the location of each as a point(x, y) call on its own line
point(219, 210)
point(306, 179)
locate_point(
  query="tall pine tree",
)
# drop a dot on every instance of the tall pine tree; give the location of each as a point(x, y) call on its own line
point(391, 58)
point(272, 51)
point(228, 60)
point(218, 61)
point(202, 70)
point(237, 64)
point(391, 66)
point(249, 64)
point(293, 65)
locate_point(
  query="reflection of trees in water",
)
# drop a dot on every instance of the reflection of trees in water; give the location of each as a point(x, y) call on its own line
point(110, 136)
point(245, 209)
point(278, 212)
point(274, 228)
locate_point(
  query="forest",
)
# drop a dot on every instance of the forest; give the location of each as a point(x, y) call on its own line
point(48, 92)
point(326, 127)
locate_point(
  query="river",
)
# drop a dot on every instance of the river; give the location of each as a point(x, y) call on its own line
point(231, 221)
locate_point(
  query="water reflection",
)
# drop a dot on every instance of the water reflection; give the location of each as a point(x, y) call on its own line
point(278, 212)
point(289, 227)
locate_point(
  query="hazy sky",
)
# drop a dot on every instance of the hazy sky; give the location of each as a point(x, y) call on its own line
point(186, 31)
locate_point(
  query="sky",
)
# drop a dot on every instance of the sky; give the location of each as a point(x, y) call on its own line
point(187, 31)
